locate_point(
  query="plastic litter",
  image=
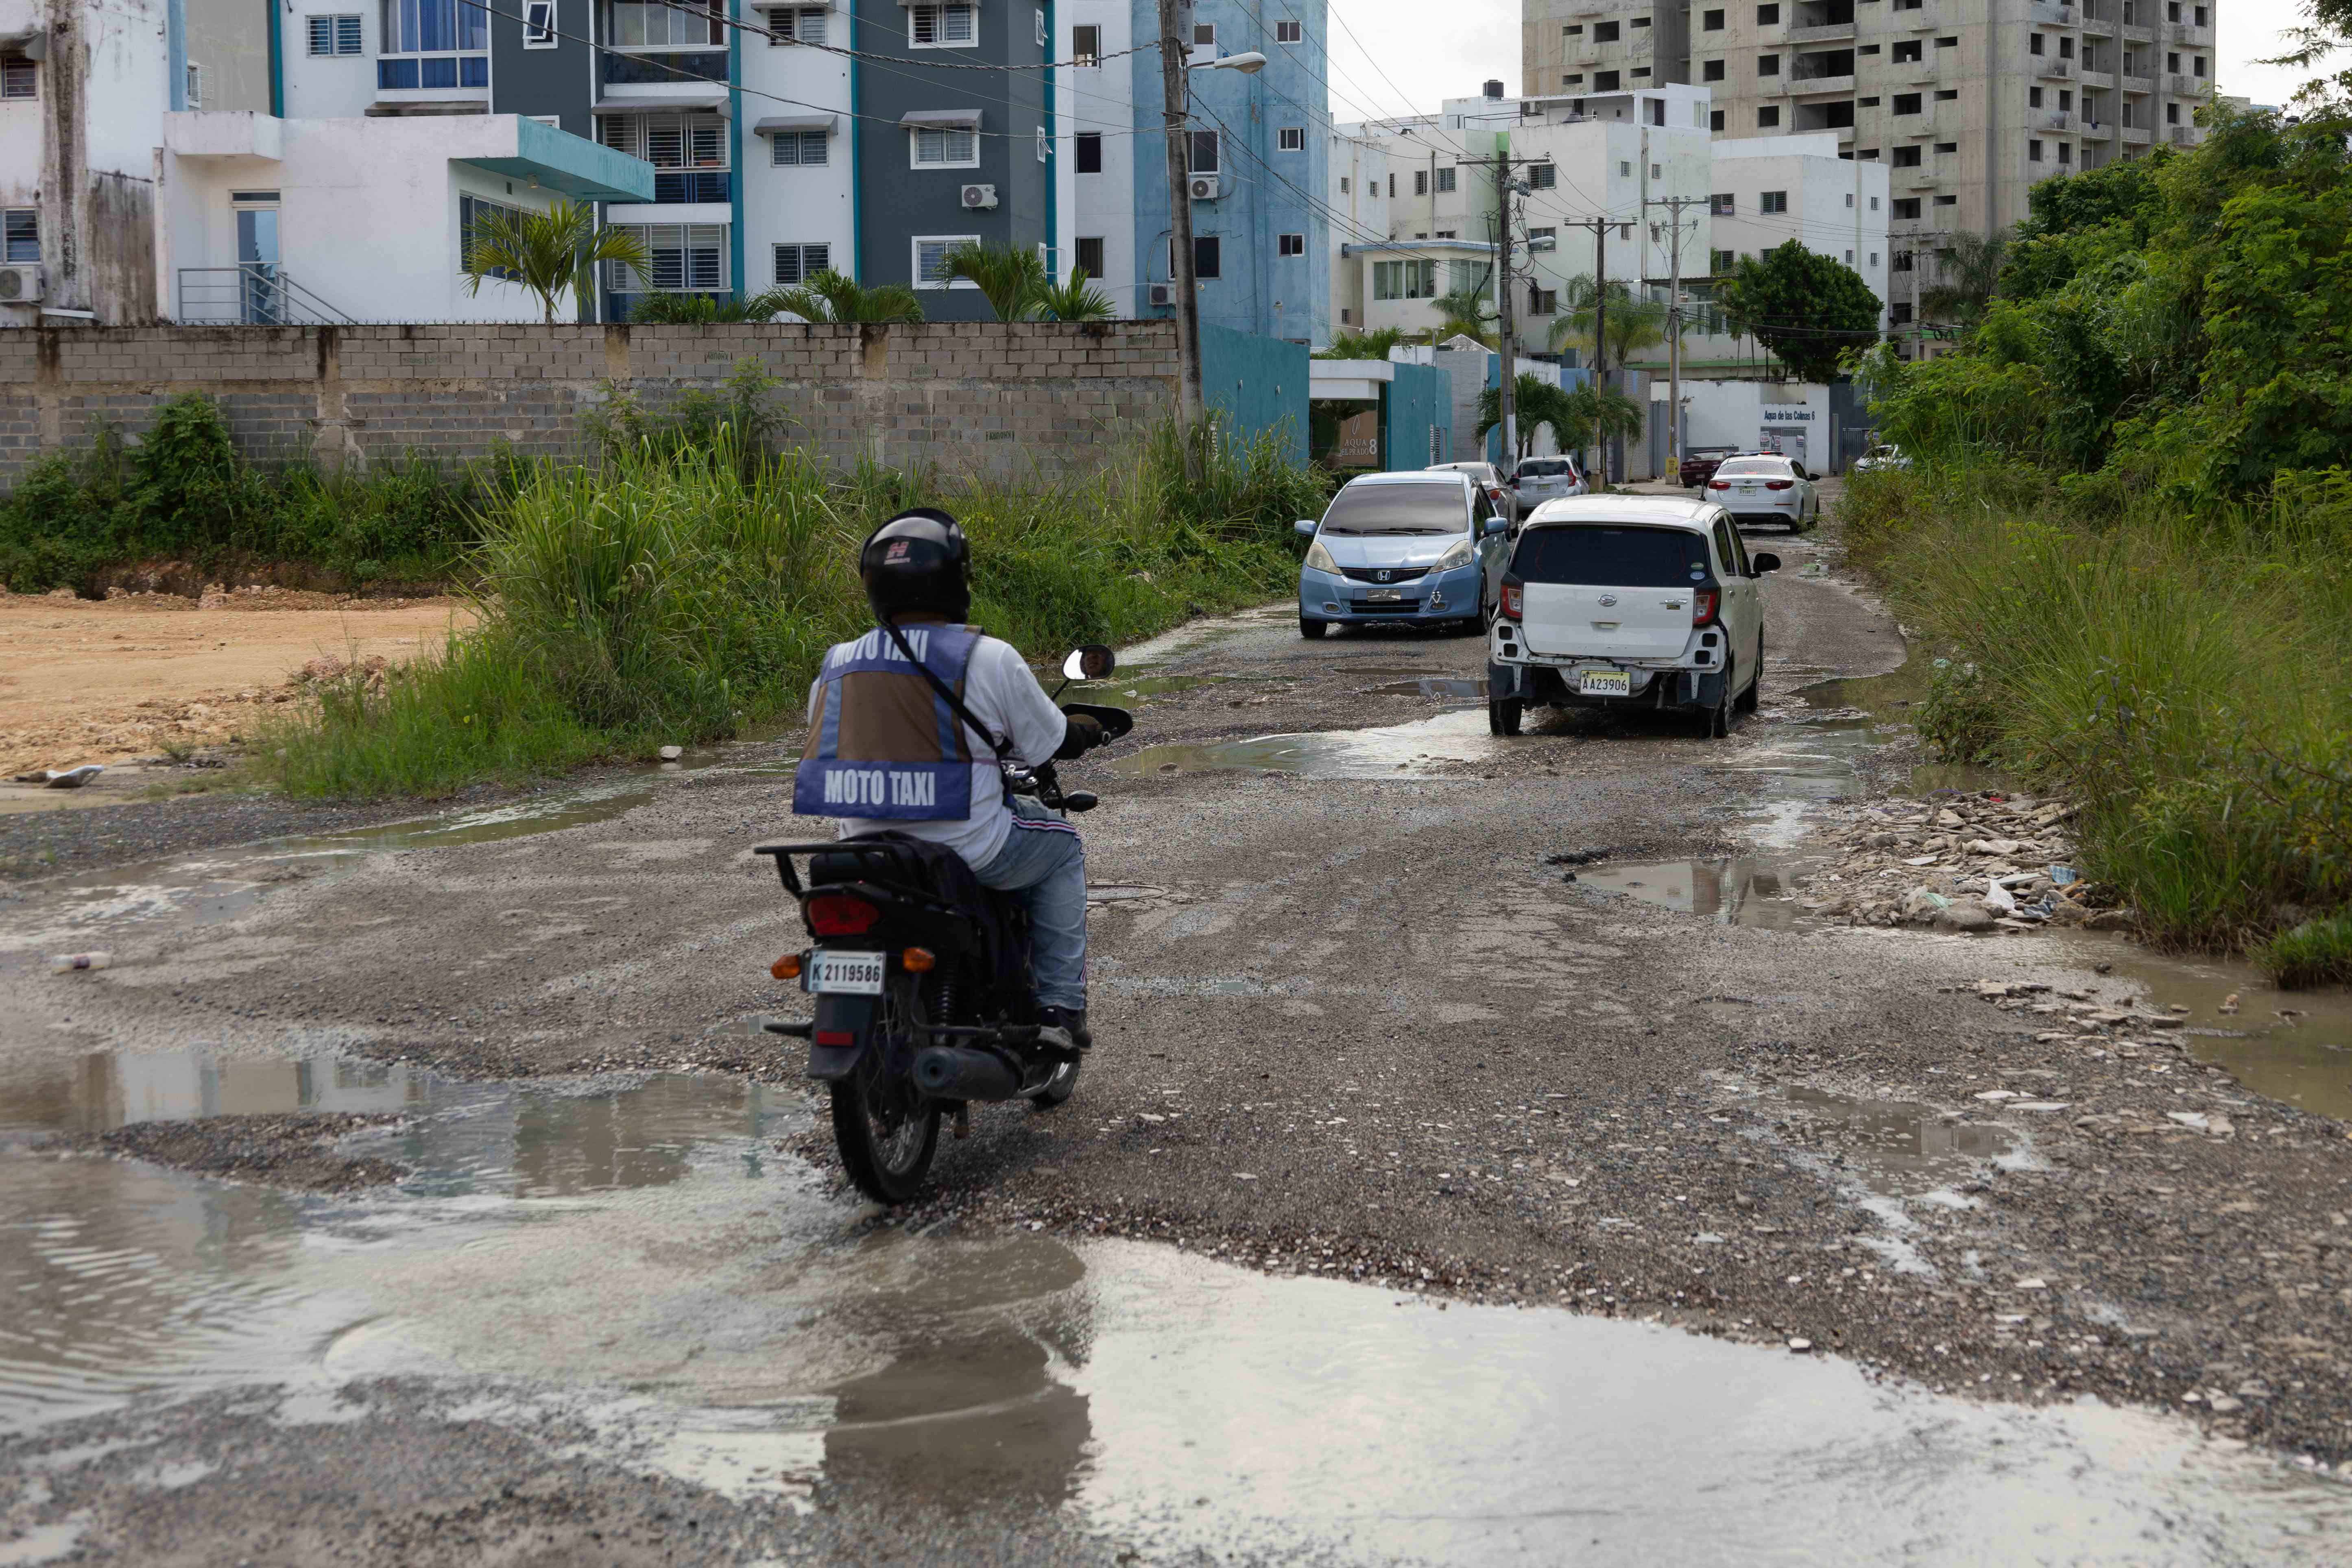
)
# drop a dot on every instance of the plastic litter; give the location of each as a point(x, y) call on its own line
point(2064, 875)
point(66, 963)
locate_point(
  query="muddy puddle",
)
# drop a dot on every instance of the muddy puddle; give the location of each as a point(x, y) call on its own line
point(1895, 1147)
point(1441, 687)
point(753, 1335)
point(1397, 750)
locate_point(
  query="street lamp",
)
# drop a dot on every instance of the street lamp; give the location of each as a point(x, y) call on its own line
point(1249, 63)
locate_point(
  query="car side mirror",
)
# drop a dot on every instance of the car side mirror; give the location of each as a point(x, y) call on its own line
point(1306, 527)
point(1497, 525)
point(1764, 561)
point(1090, 662)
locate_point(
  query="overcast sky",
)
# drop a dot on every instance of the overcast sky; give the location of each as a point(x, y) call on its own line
point(1390, 56)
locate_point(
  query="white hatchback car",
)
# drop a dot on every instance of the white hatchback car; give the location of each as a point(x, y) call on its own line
point(1540, 479)
point(1629, 602)
point(1764, 487)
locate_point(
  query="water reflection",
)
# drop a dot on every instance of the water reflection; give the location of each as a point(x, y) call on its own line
point(1397, 750)
point(1730, 891)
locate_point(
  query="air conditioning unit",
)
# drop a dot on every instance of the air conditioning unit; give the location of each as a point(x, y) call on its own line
point(1163, 294)
point(1204, 187)
point(980, 195)
point(19, 285)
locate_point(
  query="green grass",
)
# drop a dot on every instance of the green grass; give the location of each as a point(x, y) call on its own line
point(676, 596)
point(2316, 952)
point(2181, 673)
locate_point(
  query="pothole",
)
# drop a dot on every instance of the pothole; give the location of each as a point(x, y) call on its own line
point(1390, 751)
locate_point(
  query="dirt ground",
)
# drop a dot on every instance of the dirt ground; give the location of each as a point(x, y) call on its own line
point(85, 681)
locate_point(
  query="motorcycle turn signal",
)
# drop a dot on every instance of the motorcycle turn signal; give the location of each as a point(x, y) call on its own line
point(787, 967)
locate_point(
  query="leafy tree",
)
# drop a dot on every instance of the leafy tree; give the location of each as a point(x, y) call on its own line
point(1969, 274)
point(665, 309)
point(830, 297)
point(1633, 322)
point(1075, 300)
point(1808, 309)
point(1009, 277)
point(550, 254)
point(1466, 312)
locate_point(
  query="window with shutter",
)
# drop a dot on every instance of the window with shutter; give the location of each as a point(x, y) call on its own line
point(20, 233)
point(797, 264)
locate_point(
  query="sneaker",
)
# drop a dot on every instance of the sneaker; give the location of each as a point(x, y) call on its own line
point(1064, 1032)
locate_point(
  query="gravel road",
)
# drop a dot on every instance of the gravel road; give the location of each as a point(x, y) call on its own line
point(1352, 1024)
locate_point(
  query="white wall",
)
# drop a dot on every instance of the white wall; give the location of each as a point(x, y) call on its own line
point(795, 205)
point(1837, 208)
point(1739, 414)
point(332, 86)
point(1361, 163)
point(1100, 98)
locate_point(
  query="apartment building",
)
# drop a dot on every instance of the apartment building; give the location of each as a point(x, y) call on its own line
point(1967, 102)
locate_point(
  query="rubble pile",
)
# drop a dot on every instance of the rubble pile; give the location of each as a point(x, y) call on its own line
point(2116, 1033)
point(1978, 863)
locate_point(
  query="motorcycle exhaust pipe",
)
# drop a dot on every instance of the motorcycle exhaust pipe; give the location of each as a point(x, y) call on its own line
point(952, 1072)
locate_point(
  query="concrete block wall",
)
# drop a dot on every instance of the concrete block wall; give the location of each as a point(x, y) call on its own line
point(993, 396)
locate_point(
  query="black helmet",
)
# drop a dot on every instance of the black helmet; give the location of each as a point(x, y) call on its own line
point(917, 560)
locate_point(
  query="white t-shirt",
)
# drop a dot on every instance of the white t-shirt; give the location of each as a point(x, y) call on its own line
point(1000, 693)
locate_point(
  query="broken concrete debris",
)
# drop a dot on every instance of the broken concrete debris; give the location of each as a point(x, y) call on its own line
point(1975, 864)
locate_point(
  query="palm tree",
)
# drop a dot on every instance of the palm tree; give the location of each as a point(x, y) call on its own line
point(1465, 312)
point(1634, 322)
point(1008, 276)
point(830, 297)
point(1076, 301)
point(1602, 414)
point(1363, 345)
point(664, 309)
point(1534, 402)
point(551, 253)
point(1969, 277)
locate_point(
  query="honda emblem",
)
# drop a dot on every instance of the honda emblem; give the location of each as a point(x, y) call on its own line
point(1382, 576)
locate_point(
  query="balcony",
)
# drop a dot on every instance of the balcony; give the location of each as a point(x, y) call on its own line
point(2049, 15)
point(1828, 33)
point(2181, 135)
point(2095, 80)
point(1815, 86)
point(677, 185)
point(2097, 23)
point(623, 68)
point(2184, 33)
point(2139, 84)
point(2138, 135)
point(2185, 86)
point(2051, 68)
point(2052, 119)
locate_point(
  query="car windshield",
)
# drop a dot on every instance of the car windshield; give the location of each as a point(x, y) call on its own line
point(1611, 555)
point(1777, 467)
point(1397, 509)
point(1542, 468)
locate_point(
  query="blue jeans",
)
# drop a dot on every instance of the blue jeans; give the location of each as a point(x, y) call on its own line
point(1046, 861)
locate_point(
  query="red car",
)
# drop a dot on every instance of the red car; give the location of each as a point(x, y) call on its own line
point(1699, 464)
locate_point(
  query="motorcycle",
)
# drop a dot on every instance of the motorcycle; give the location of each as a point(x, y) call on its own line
point(920, 977)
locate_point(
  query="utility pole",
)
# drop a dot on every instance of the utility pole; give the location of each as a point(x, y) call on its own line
point(1674, 205)
point(1176, 85)
point(1600, 329)
point(1510, 388)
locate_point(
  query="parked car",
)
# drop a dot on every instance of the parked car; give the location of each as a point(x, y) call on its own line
point(1698, 464)
point(1646, 602)
point(1488, 477)
point(1885, 455)
point(1538, 479)
point(1764, 487)
point(1411, 547)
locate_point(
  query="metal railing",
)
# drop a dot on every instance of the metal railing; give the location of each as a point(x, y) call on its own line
point(252, 294)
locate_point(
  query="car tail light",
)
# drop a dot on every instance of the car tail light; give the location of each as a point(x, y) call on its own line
point(1514, 599)
point(1719, 484)
point(841, 914)
point(1703, 604)
point(1777, 484)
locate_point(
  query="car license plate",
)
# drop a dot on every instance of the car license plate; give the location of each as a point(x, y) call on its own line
point(1748, 490)
point(1605, 683)
point(847, 973)
point(1383, 595)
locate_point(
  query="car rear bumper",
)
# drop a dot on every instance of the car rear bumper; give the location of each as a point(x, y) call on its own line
point(1690, 677)
point(1439, 596)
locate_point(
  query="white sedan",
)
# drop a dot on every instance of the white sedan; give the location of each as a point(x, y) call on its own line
point(1764, 487)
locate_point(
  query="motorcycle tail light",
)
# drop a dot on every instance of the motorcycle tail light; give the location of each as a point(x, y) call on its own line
point(1777, 484)
point(1703, 604)
point(1514, 597)
point(841, 914)
point(787, 967)
point(835, 1037)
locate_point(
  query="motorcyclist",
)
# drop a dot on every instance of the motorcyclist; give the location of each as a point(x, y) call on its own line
point(882, 738)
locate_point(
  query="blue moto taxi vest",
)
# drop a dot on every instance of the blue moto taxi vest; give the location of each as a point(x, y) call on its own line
point(884, 744)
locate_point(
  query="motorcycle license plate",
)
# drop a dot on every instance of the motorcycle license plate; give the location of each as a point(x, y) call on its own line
point(1383, 595)
point(847, 973)
point(1605, 683)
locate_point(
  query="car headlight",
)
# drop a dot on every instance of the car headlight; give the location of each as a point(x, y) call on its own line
point(1320, 559)
point(1454, 558)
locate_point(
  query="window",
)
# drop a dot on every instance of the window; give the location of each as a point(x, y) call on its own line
point(1710, 21)
point(1089, 152)
point(1767, 16)
point(2033, 43)
point(1715, 120)
point(1607, 81)
point(2172, 63)
point(930, 259)
point(1907, 207)
point(1951, 42)
point(679, 258)
point(2172, 114)
point(195, 85)
point(797, 24)
point(1204, 35)
point(1573, 30)
point(1421, 182)
point(1543, 240)
point(797, 264)
point(1343, 185)
point(1767, 65)
point(1948, 201)
point(1604, 32)
point(1290, 244)
point(1711, 71)
point(1044, 146)
point(1404, 279)
point(1874, 204)
point(1772, 202)
point(1906, 104)
point(1898, 313)
point(1445, 179)
point(1542, 176)
point(1090, 255)
point(1290, 139)
point(1573, 80)
point(1208, 257)
point(1866, 103)
point(539, 25)
point(20, 233)
point(1720, 262)
point(1391, 188)
point(1086, 46)
point(941, 27)
point(1288, 33)
point(1641, 21)
point(1204, 148)
point(1723, 204)
point(647, 24)
point(1948, 94)
point(1907, 157)
point(1543, 301)
point(447, 43)
point(329, 35)
point(2199, 63)
point(1944, 147)
point(945, 147)
point(1043, 38)
point(1448, 234)
point(688, 140)
point(2066, 153)
point(1908, 51)
point(2033, 98)
point(799, 149)
point(1768, 118)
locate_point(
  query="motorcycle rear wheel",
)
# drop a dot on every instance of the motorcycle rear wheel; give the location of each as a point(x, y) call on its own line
point(887, 1128)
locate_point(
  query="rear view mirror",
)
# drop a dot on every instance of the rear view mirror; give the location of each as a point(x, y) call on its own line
point(1764, 561)
point(1091, 662)
point(1306, 527)
point(1497, 524)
